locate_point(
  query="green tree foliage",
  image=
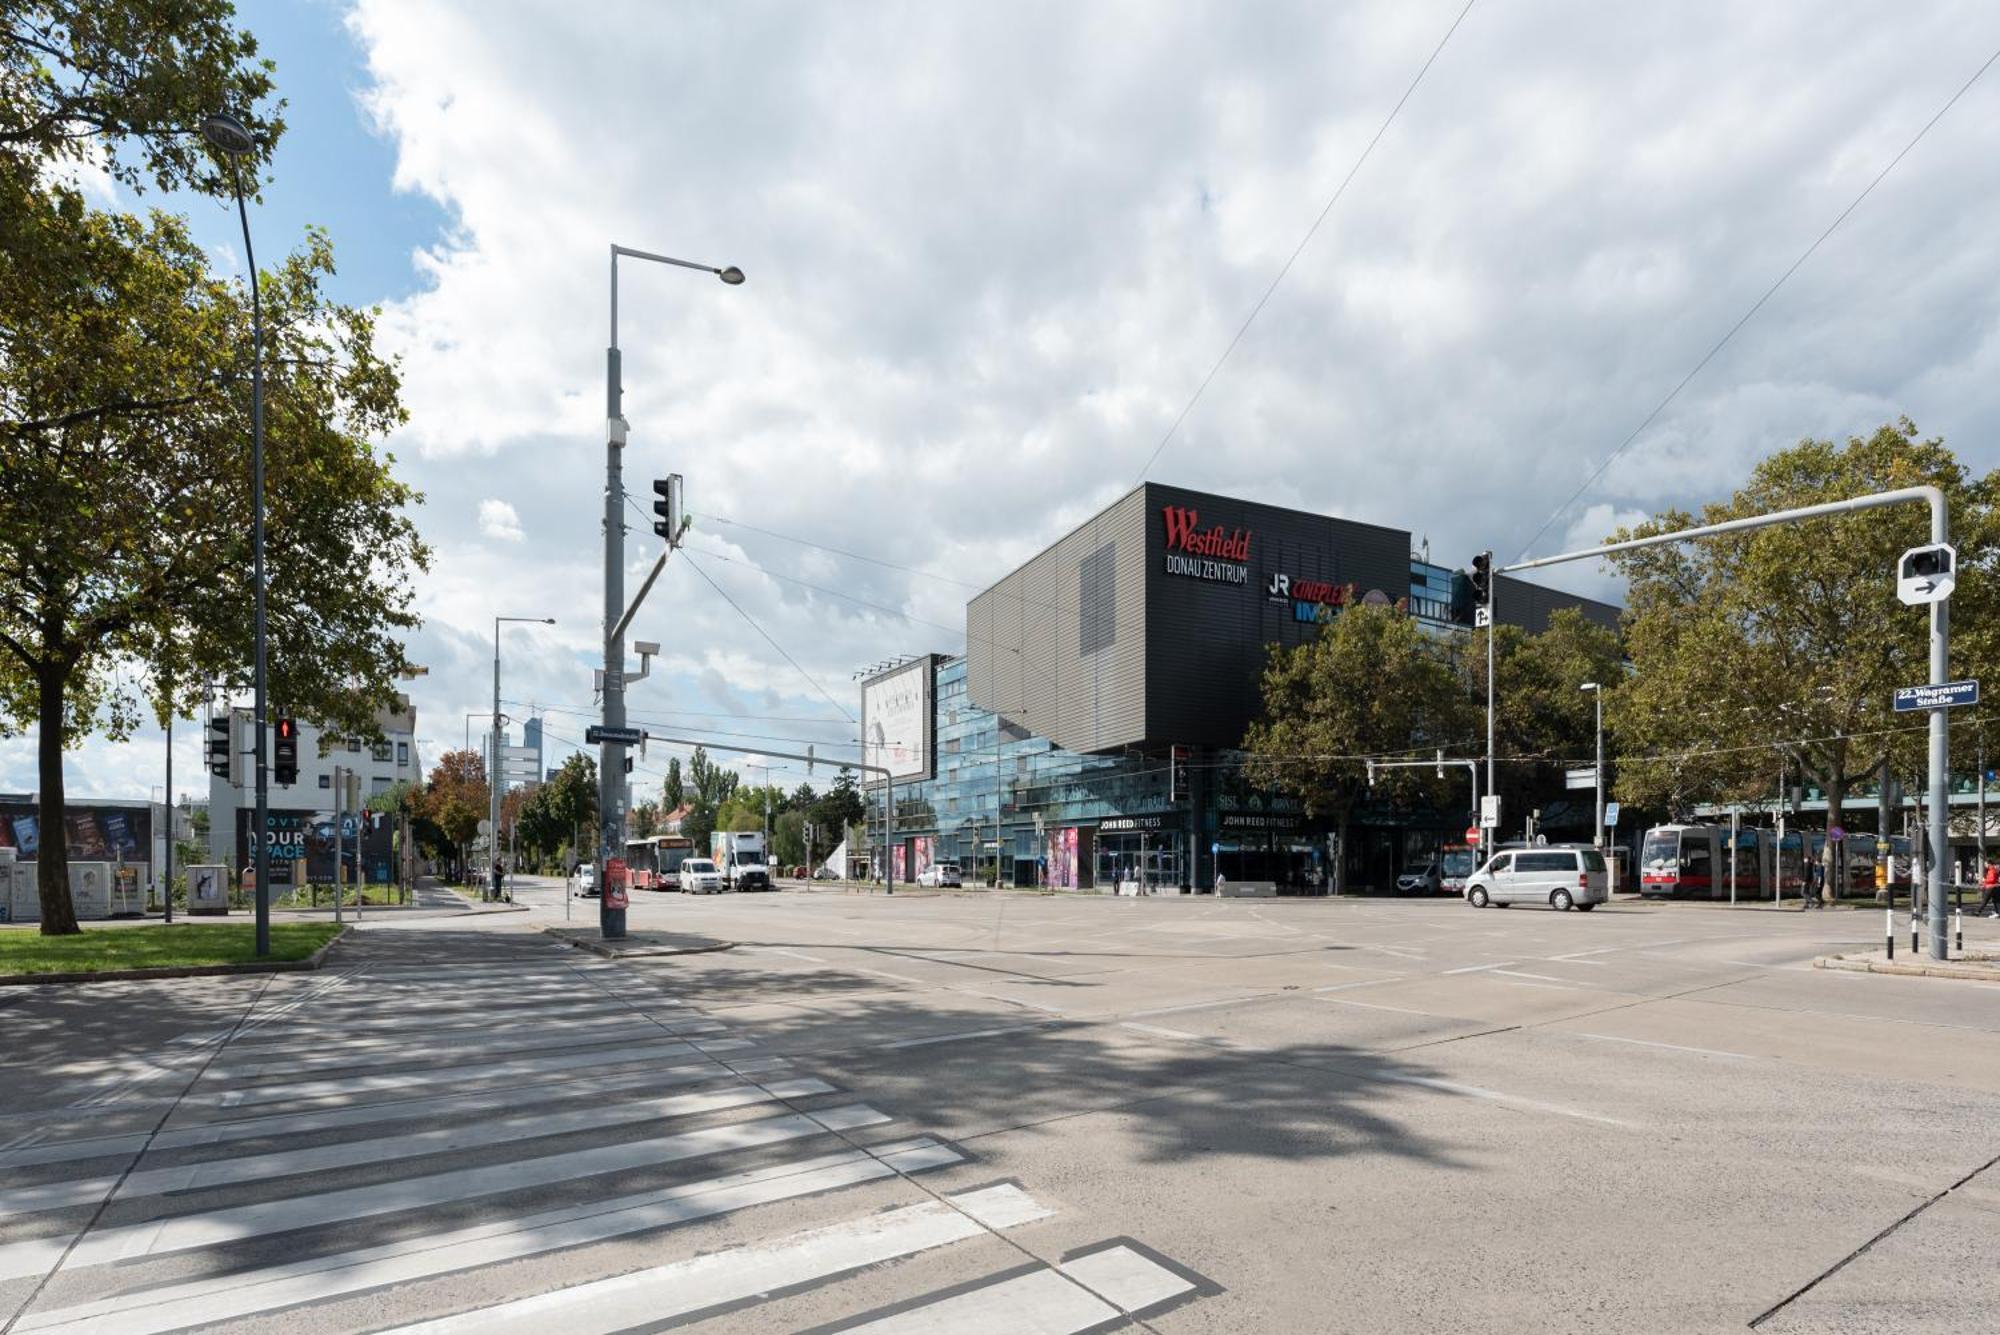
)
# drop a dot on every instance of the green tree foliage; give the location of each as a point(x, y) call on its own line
point(645, 820)
point(747, 808)
point(1371, 684)
point(455, 801)
point(841, 807)
point(788, 838)
point(1783, 646)
point(673, 791)
point(124, 84)
point(1544, 722)
point(125, 408)
point(709, 785)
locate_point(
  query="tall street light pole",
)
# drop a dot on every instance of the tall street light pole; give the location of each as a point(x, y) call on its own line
point(232, 139)
point(610, 754)
point(493, 753)
point(1597, 689)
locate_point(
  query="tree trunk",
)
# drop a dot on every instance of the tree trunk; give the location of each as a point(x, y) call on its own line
point(52, 861)
point(1829, 855)
point(1340, 859)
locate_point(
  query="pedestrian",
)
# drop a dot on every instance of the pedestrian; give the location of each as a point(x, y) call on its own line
point(1815, 886)
point(1220, 881)
point(1989, 886)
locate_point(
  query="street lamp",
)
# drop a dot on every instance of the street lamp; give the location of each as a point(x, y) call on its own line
point(1598, 690)
point(493, 751)
point(229, 137)
point(611, 754)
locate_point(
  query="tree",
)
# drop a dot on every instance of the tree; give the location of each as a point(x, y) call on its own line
point(124, 406)
point(708, 786)
point(455, 801)
point(674, 791)
point(1371, 684)
point(788, 838)
point(1544, 721)
point(841, 807)
point(1784, 645)
point(645, 820)
point(748, 808)
point(124, 82)
point(801, 798)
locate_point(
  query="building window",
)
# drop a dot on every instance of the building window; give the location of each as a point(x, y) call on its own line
point(379, 785)
point(1096, 600)
point(382, 751)
point(354, 743)
point(402, 754)
point(326, 781)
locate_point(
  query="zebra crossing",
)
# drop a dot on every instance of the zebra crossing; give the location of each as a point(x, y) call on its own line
point(512, 1144)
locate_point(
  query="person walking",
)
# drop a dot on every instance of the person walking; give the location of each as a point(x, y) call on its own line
point(1815, 887)
point(1989, 890)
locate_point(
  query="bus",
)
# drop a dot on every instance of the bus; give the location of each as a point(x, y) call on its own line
point(654, 863)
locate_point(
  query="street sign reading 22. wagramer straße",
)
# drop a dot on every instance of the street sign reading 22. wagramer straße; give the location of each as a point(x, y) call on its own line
point(1947, 696)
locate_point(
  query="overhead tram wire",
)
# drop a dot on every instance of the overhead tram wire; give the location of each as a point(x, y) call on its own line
point(1305, 240)
point(696, 567)
point(1755, 306)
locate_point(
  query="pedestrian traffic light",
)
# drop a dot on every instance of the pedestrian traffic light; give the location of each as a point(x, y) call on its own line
point(285, 755)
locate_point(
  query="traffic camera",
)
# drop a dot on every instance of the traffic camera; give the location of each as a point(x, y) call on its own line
point(1926, 574)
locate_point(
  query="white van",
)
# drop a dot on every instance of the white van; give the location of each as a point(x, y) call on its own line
point(1562, 878)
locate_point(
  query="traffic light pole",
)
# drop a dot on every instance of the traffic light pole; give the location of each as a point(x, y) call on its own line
point(1940, 655)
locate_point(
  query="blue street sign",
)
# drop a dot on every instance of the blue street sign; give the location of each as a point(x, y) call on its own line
point(1948, 696)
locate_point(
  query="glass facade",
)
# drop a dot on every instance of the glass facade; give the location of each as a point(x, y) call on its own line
point(1005, 803)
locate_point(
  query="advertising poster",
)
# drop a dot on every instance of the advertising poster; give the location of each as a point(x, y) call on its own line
point(921, 854)
point(296, 834)
point(95, 833)
point(896, 863)
point(1062, 859)
point(896, 721)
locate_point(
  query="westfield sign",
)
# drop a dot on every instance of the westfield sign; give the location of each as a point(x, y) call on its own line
point(1184, 534)
point(1215, 553)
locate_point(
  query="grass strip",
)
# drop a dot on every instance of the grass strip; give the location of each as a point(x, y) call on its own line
point(157, 946)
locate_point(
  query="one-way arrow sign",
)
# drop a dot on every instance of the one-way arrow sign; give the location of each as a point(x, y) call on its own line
point(1947, 696)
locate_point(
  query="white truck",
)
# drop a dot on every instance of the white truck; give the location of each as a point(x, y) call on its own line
point(741, 859)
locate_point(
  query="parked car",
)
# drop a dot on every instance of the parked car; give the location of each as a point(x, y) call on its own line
point(1425, 880)
point(700, 876)
point(1562, 878)
point(826, 873)
point(940, 874)
point(586, 881)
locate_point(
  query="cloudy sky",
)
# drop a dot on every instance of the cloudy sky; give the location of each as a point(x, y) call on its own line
point(993, 251)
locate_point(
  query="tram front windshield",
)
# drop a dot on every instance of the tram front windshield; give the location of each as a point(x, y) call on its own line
point(1662, 851)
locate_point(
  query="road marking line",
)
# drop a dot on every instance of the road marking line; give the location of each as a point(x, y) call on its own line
point(960, 1037)
point(1365, 982)
point(743, 1273)
point(449, 1075)
point(1671, 1047)
point(1496, 1096)
point(232, 1223)
point(338, 1058)
point(1057, 1301)
point(1538, 977)
point(1478, 968)
point(1377, 1006)
point(201, 1301)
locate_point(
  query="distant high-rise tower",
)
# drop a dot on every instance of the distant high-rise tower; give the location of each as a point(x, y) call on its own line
point(531, 737)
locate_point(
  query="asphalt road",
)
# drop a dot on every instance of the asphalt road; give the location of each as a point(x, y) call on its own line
point(967, 1113)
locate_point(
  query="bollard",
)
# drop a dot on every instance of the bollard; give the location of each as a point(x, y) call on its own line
point(1958, 930)
point(1889, 932)
point(1914, 947)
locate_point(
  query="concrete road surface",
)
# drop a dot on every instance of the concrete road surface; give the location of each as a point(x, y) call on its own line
point(968, 1113)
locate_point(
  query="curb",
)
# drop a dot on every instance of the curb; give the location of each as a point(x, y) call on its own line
point(642, 951)
point(1983, 970)
point(306, 965)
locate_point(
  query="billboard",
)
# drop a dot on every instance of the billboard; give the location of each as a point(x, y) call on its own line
point(96, 833)
point(296, 834)
point(897, 720)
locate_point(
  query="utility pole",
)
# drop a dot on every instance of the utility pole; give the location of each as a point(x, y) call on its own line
point(611, 754)
point(167, 877)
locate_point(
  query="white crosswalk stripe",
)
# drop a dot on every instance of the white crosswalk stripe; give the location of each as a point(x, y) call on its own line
point(400, 1126)
point(1075, 1296)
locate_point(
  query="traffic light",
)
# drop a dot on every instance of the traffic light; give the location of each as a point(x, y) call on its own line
point(668, 508)
point(1177, 770)
point(285, 754)
point(1482, 579)
point(222, 746)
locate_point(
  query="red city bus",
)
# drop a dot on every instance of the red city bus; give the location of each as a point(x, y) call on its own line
point(655, 862)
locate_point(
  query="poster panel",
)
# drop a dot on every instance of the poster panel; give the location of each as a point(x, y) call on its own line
point(896, 719)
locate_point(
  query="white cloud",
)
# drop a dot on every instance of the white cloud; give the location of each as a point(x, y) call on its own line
point(992, 251)
point(498, 520)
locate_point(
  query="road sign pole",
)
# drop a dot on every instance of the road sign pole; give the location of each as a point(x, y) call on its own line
point(1940, 758)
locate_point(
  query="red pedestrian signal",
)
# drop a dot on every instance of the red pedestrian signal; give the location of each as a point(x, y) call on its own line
point(285, 758)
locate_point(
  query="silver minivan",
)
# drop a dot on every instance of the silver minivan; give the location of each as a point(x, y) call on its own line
point(1562, 878)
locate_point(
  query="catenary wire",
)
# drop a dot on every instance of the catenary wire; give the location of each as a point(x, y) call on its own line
point(696, 566)
point(1304, 241)
point(1755, 306)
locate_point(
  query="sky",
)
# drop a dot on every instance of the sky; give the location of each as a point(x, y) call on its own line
point(994, 251)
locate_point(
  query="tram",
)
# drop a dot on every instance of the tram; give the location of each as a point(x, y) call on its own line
point(1697, 861)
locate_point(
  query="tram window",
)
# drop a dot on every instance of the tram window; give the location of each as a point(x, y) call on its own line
point(1694, 859)
point(1661, 848)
